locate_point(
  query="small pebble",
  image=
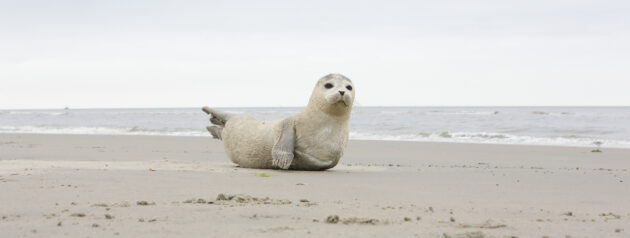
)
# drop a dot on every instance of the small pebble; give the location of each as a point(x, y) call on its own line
point(221, 196)
point(332, 219)
point(144, 203)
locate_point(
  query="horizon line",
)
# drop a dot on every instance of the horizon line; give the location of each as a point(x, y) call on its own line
point(253, 107)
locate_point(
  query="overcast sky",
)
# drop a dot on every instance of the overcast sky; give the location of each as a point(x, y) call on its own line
point(84, 54)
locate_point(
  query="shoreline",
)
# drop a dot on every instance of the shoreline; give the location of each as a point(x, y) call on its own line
point(165, 186)
point(365, 140)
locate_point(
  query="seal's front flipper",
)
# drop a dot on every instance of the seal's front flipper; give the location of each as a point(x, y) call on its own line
point(215, 131)
point(218, 118)
point(282, 151)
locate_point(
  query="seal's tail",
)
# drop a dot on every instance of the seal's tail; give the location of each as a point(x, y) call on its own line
point(218, 118)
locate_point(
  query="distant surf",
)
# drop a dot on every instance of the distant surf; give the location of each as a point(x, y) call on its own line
point(562, 126)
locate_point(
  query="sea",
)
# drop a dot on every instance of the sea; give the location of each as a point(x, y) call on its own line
point(557, 126)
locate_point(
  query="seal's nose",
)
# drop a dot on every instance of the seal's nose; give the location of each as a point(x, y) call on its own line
point(342, 92)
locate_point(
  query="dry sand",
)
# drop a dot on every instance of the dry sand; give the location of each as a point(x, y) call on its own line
point(150, 186)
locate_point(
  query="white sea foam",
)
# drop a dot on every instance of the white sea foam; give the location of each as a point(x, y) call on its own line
point(492, 138)
point(41, 113)
point(82, 130)
point(461, 112)
point(552, 113)
point(459, 137)
point(568, 126)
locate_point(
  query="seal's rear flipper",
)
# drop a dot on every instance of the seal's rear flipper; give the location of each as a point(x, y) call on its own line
point(282, 151)
point(218, 118)
point(312, 161)
point(215, 131)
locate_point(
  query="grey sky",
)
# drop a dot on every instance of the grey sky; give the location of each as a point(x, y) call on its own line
point(270, 53)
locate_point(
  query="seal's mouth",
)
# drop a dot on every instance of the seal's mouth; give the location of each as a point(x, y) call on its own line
point(342, 103)
point(337, 100)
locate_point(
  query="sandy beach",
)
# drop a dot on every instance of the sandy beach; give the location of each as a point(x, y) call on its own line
point(159, 186)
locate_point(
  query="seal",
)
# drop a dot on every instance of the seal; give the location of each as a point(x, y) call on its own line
point(313, 139)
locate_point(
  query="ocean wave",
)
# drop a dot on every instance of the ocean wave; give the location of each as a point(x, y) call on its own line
point(578, 132)
point(153, 113)
point(393, 112)
point(492, 138)
point(54, 113)
point(444, 136)
point(83, 130)
point(552, 113)
point(103, 112)
point(465, 112)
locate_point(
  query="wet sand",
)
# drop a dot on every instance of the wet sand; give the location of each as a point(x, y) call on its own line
point(152, 186)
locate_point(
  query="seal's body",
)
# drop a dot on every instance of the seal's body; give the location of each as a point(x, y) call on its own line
point(314, 139)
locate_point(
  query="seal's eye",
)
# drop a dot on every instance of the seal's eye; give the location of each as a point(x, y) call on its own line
point(328, 85)
point(349, 87)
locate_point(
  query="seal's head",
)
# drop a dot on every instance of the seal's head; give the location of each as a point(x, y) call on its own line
point(333, 94)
